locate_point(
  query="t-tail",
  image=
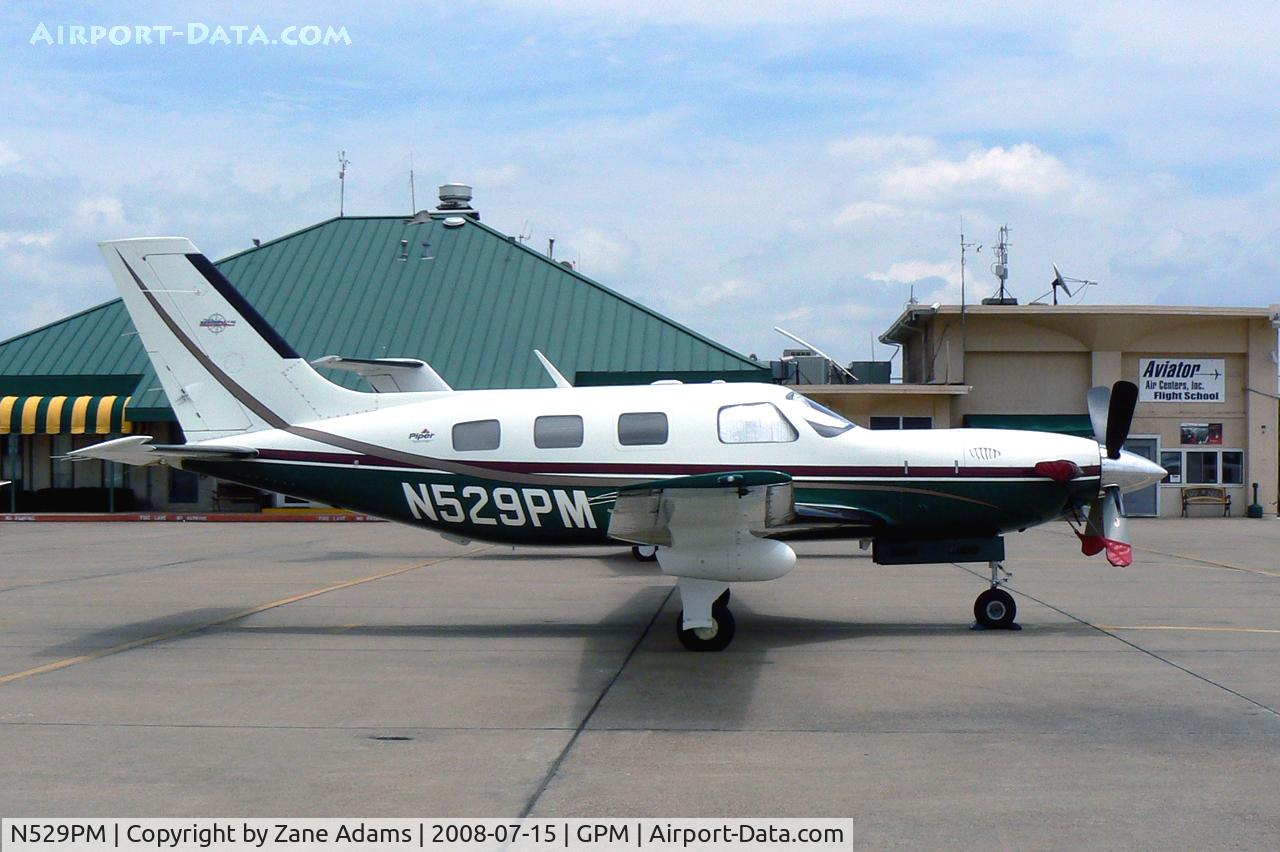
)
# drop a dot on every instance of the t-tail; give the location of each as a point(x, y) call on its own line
point(225, 370)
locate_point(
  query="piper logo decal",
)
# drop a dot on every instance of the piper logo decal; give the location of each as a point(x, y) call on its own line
point(424, 435)
point(509, 507)
point(216, 323)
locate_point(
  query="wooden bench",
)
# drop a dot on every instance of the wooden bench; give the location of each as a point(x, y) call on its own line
point(1206, 495)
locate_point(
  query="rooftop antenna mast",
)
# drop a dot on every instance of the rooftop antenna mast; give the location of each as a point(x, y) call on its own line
point(413, 198)
point(343, 162)
point(964, 323)
point(1000, 269)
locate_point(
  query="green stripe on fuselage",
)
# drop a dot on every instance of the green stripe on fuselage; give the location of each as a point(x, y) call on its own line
point(576, 511)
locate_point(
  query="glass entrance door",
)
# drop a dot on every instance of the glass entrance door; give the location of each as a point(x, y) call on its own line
point(1142, 504)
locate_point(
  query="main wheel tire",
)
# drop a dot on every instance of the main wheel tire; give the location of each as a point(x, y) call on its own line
point(715, 638)
point(644, 552)
point(995, 608)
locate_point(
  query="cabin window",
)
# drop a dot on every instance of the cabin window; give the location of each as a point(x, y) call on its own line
point(823, 420)
point(477, 435)
point(557, 431)
point(755, 423)
point(642, 429)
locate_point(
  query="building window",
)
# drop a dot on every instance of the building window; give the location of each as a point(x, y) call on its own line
point(755, 423)
point(642, 429)
point(557, 431)
point(1202, 467)
point(64, 472)
point(184, 486)
point(1232, 467)
point(476, 435)
point(901, 422)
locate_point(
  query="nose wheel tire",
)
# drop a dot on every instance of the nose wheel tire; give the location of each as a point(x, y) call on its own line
point(644, 552)
point(995, 609)
point(714, 638)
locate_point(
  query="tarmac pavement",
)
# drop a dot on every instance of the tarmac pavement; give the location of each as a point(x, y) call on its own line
point(377, 670)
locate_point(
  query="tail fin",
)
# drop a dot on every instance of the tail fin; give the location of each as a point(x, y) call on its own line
point(224, 368)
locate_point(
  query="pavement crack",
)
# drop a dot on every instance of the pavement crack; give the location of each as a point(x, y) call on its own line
point(554, 770)
point(1134, 645)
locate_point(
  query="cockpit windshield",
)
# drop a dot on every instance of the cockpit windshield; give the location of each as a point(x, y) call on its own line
point(824, 421)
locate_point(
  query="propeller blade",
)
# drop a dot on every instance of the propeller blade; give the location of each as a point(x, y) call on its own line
point(1099, 401)
point(1107, 529)
point(1116, 529)
point(1124, 399)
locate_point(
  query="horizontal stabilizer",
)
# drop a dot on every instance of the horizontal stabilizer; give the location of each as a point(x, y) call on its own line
point(389, 375)
point(138, 450)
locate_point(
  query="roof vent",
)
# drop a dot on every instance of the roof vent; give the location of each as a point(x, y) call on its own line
point(454, 222)
point(456, 197)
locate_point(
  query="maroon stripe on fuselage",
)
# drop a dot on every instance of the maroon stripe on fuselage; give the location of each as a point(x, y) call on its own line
point(640, 469)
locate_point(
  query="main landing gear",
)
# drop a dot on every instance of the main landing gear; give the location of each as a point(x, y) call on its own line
point(995, 608)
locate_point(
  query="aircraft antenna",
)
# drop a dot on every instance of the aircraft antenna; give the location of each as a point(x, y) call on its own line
point(343, 162)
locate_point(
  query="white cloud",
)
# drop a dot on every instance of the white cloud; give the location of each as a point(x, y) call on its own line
point(910, 271)
point(1022, 171)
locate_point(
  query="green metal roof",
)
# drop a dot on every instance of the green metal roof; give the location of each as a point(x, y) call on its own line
point(470, 300)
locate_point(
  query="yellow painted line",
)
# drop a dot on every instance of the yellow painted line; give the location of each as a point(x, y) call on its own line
point(244, 613)
point(1196, 629)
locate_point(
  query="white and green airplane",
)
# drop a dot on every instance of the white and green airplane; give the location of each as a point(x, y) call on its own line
point(713, 479)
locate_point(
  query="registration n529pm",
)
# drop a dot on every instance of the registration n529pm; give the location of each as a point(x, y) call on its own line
point(486, 506)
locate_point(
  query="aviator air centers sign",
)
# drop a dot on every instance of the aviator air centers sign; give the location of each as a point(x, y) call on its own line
point(1181, 379)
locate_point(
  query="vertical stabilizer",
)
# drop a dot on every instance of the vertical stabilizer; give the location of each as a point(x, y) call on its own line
point(224, 368)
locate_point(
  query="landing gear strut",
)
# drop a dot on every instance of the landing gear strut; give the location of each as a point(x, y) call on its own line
point(714, 638)
point(995, 608)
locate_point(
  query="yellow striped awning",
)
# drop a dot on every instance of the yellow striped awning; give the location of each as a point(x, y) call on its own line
point(67, 415)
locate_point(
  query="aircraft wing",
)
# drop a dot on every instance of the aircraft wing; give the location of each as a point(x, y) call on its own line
point(138, 450)
point(735, 502)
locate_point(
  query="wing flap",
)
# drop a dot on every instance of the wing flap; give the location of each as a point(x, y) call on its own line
point(707, 505)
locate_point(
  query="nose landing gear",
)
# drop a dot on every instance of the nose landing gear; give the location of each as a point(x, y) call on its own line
point(995, 608)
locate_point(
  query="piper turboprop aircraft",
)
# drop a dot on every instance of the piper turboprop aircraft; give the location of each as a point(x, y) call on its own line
point(717, 477)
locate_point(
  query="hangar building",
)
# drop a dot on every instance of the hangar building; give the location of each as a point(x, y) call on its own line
point(440, 286)
point(1207, 408)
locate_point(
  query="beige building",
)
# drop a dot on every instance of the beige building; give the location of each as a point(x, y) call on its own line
point(1207, 406)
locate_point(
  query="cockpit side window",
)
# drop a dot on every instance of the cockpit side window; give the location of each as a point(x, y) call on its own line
point(823, 420)
point(755, 423)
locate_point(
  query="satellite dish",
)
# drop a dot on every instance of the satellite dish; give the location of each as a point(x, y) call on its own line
point(1058, 281)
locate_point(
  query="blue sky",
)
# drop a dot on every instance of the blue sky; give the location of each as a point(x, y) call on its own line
point(734, 165)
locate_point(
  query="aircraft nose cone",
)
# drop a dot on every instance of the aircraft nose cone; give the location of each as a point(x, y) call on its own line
point(1131, 471)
